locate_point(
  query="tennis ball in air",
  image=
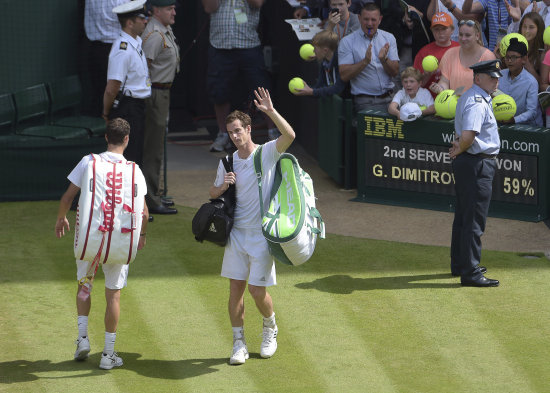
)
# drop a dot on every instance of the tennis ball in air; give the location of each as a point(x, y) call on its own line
point(505, 42)
point(306, 51)
point(430, 63)
point(445, 104)
point(546, 36)
point(295, 84)
point(504, 107)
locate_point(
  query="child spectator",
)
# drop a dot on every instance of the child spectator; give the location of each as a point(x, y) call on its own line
point(412, 93)
point(442, 28)
point(518, 83)
point(325, 44)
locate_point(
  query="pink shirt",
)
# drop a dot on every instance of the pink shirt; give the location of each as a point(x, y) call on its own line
point(452, 69)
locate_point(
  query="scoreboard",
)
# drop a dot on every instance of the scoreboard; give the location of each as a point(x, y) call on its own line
point(408, 163)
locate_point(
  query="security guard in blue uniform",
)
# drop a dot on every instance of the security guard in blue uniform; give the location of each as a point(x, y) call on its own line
point(474, 154)
point(128, 82)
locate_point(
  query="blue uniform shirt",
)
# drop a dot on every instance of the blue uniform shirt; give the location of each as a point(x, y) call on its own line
point(474, 112)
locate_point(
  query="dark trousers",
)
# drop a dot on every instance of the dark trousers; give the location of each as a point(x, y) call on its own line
point(473, 186)
point(98, 61)
point(133, 111)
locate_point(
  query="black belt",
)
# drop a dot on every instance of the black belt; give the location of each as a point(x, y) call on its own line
point(132, 98)
point(483, 155)
point(161, 86)
point(386, 94)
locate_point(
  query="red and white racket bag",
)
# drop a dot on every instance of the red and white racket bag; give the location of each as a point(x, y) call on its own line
point(109, 214)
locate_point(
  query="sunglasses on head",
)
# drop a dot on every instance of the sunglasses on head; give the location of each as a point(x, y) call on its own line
point(467, 22)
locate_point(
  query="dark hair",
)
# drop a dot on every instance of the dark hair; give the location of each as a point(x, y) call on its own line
point(371, 7)
point(117, 129)
point(533, 52)
point(238, 115)
point(124, 18)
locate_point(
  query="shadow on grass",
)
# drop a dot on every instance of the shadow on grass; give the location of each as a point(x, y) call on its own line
point(345, 285)
point(26, 371)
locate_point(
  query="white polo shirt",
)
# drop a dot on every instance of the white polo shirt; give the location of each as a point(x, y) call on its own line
point(247, 210)
point(128, 65)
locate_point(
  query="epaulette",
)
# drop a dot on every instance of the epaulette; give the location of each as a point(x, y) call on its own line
point(478, 98)
point(123, 45)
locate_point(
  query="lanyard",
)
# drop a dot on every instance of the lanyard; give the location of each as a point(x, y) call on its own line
point(327, 76)
point(345, 28)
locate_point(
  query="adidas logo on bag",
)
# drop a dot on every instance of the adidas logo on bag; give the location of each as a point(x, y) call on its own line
point(212, 228)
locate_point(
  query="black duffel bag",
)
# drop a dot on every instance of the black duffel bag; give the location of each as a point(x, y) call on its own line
point(214, 220)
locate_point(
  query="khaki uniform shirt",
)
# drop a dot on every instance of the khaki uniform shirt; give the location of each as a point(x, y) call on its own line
point(160, 46)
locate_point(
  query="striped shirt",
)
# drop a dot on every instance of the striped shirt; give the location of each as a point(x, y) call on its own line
point(497, 17)
point(226, 33)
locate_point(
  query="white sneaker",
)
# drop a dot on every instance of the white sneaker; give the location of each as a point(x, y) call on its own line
point(82, 348)
point(269, 342)
point(273, 134)
point(240, 352)
point(109, 361)
point(221, 142)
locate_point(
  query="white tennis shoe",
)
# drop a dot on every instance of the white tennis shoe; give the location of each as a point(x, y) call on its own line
point(240, 352)
point(109, 361)
point(221, 142)
point(269, 342)
point(82, 348)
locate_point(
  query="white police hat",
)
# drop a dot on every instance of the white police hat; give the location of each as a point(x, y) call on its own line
point(135, 7)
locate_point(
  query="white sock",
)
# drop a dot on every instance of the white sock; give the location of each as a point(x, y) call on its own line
point(238, 333)
point(109, 343)
point(270, 321)
point(82, 325)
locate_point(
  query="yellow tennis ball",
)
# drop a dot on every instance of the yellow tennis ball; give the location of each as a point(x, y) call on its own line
point(295, 84)
point(504, 107)
point(430, 63)
point(306, 51)
point(505, 42)
point(445, 104)
point(422, 107)
point(546, 36)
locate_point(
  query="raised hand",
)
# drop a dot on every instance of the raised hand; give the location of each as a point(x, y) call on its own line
point(384, 52)
point(263, 100)
point(514, 10)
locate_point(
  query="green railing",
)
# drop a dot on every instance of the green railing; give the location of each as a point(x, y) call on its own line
point(408, 164)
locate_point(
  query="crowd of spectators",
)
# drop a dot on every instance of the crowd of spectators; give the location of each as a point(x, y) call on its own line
point(381, 43)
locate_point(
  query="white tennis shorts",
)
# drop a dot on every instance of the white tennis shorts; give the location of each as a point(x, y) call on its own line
point(115, 275)
point(247, 257)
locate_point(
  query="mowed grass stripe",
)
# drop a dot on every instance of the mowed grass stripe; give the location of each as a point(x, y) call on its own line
point(288, 367)
point(471, 357)
point(37, 354)
point(168, 332)
point(332, 337)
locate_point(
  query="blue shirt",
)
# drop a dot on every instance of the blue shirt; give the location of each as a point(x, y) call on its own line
point(474, 112)
point(524, 90)
point(373, 79)
point(497, 17)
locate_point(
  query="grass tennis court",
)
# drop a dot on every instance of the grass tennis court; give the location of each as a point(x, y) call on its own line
point(360, 316)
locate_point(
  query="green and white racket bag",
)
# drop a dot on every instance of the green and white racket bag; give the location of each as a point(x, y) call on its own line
point(291, 223)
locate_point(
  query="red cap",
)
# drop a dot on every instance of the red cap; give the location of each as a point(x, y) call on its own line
point(442, 18)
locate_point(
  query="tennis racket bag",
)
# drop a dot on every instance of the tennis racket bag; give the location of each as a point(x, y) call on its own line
point(109, 213)
point(291, 222)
